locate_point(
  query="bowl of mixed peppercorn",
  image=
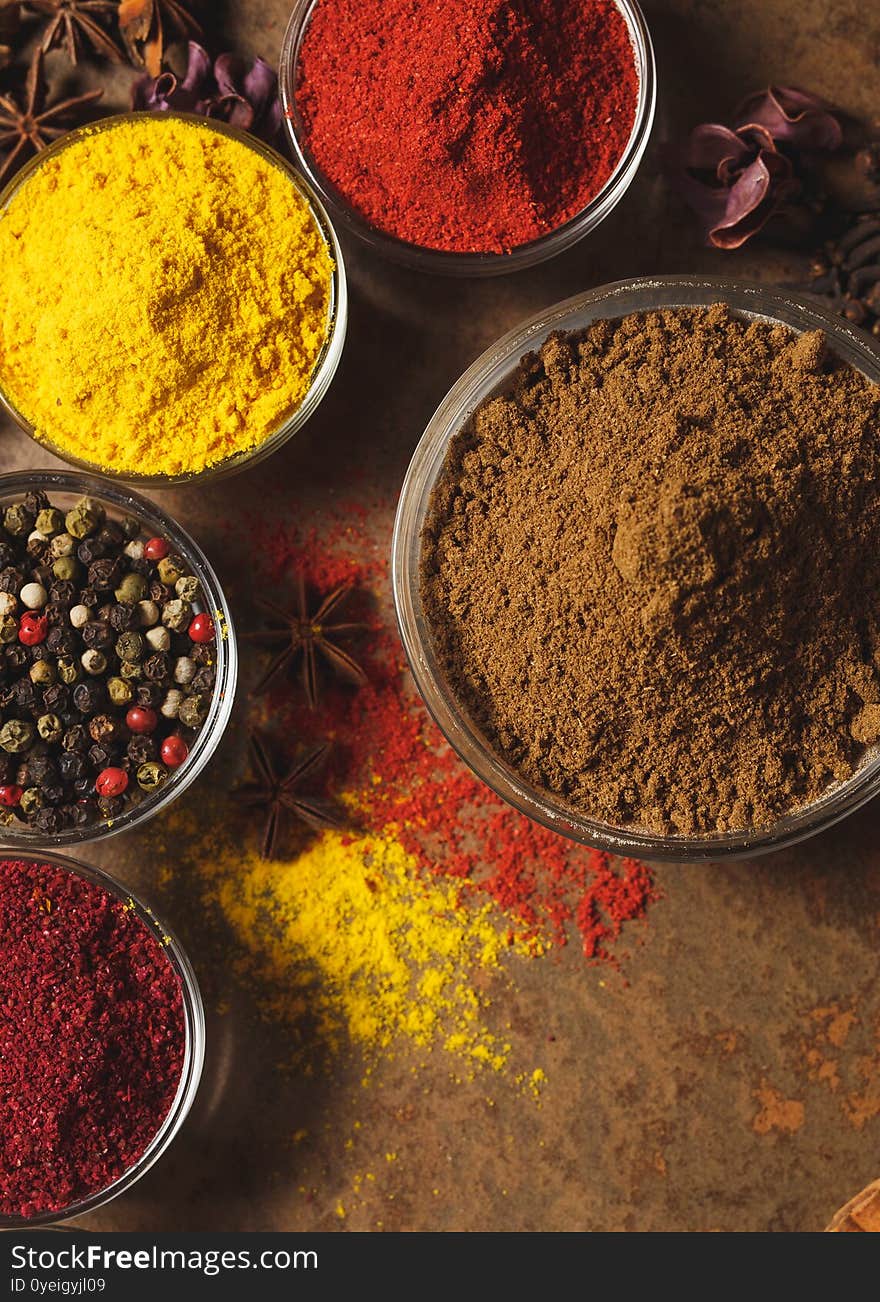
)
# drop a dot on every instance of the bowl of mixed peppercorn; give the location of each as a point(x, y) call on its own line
point(117, 659)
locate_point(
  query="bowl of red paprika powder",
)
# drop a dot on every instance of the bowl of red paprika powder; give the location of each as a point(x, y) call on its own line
point(102, 1039)
point(468, 140)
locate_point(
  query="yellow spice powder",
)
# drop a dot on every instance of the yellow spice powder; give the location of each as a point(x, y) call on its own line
point(165, 298)
point(348, 946)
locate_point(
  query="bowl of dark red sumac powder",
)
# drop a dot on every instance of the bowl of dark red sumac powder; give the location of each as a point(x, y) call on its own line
point(101, 1039)
point(636, 568)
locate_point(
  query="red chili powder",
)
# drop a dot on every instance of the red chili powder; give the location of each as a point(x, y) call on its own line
point(91, 1038)
point(471, 126)
point(387, 747)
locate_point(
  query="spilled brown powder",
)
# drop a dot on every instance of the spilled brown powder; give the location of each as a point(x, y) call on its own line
point(652, 570)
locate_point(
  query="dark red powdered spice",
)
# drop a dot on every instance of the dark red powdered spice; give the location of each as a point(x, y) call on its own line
point(92, 1038)
point(470, 125)
point(387, 749)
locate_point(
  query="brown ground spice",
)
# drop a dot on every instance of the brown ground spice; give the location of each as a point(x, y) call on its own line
point(652, 570)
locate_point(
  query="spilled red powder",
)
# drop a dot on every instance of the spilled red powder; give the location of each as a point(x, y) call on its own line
point(389, 751)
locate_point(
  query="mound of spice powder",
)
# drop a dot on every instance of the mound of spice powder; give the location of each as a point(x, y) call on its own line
point(166, 297)
point(650, 570)
point(92, 1038)
point(470, 126)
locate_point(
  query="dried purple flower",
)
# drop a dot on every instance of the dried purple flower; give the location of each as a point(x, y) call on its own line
point(231, 89)
point(736, 178)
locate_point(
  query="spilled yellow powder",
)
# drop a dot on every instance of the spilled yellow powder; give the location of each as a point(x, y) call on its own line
point(166, 296)
point(349, 938)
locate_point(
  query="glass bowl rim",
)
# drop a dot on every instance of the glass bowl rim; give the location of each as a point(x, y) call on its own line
point(467, 265)
point(122, 499)
point(495, 364)
point(194, 1028)
point(326, 364)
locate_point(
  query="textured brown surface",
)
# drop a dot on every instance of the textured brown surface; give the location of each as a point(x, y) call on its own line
point(734, 1082)
point(615, 573)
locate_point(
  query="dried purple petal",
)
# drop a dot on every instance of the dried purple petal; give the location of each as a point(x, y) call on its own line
point(793, 117)
point(231, 89)
point(736, 178)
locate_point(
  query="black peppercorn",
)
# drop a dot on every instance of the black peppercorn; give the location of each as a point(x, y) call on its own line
point(35, 501)
point(141, 750)
point(49, 821)
point(63, 592)
point(103, 757)
point(122, 616)
point(17, 657)
point(11, 580)
point(56, 698)
point(42, 769)
point(89, 697)
point(61, 641)
point(110, 806)
point(105, 575)
point(203, 680)
point(72, 767)
point(97, 635)
point(91, 550)
point(150, 695)
point(157, 668)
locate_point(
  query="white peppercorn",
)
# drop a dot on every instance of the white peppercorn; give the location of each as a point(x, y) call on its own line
point(171, 704)
point(159, 638)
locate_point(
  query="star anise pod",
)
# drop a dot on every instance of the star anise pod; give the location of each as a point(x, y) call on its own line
point(75, 25)
point(301, 633)
point(277, 793)
point(142, 26)
point(30, 127)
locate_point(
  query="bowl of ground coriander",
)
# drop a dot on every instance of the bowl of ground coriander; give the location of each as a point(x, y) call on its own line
point(118, 660)
point(635, 568)
point(174, 299)
point(468, 142)
point(102, 1039)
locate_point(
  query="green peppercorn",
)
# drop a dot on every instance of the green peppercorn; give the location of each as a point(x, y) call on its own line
point(130, 526)
point(62, 545)
point(177, 615)
point(84, 518)
point(16, 736)
point(50, 727)
point(171, 568)
point(68, 670)
point(43, 672)
point(31, 800)
point(49, 521)
point(130, 646)
point(187, 588)
point(131, 670)
point(17, 519)
point(66, 568)
point(152, 776)
point(119, 691)
point(193, 710)
point(8, 628)
point(132, 589)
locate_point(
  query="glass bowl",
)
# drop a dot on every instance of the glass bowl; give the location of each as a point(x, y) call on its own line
point(328, 359)
point(473, 264)
point(66, 488)
point(490, 374)
point(194, 1048)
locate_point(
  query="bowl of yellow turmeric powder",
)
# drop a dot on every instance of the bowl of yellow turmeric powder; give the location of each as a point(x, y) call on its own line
point(174, 295)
